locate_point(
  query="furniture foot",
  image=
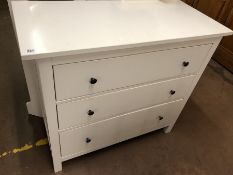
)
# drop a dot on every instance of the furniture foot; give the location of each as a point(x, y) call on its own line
point(168, 129)
point(57, 165)
point(34, 109)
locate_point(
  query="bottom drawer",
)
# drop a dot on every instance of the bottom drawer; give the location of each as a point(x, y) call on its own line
point(75, 142)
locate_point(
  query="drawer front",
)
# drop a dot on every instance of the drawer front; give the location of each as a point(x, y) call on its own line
point(92, 137)
point(78, 79)
point(97, 108)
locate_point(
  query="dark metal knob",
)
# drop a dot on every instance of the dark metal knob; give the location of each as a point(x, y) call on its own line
point(93, 80)
point(88, 140)
point(172, 92)
point(90, 112)
point(160, 118)
point(185, 63)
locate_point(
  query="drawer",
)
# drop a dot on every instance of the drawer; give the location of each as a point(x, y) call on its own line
point(101, 107)
point(78, 79)
point(92, 137)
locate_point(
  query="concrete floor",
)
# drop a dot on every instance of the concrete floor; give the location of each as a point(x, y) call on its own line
point(201, 142)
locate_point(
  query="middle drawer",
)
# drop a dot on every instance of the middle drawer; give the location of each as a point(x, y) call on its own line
point(96, 108)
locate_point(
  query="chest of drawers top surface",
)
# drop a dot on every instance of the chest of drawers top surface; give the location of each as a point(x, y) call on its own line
point(49, 29)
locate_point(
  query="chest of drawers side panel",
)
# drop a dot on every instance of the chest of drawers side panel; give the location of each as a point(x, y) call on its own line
point(209, 55)
point(46, 83)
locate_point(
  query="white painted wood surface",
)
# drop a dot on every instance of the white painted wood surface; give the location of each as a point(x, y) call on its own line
point(45, 73)
point(34, 105)
point(72, 29)
point(107, 105)
point(216, 42)
point(117, 129)
point(72, 80)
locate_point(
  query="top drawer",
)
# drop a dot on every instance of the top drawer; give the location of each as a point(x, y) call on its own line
point(78, 79)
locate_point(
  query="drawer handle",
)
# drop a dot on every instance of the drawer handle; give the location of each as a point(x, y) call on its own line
point(90, 112)
point(185, 63)
point(93, 81)
point(172, 92)
point(160, 117)
point(88, 140)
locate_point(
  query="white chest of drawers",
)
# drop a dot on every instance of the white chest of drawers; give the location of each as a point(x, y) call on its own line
point(103, 72)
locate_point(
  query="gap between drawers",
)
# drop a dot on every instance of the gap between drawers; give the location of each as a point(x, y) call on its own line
point(121, 89)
